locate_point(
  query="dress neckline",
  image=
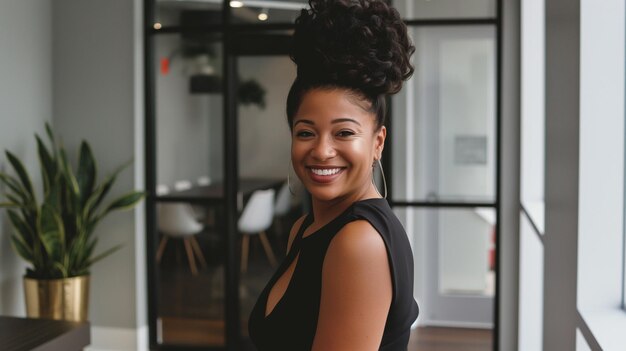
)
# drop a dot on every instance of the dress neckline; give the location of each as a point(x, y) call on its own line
point(310, 218)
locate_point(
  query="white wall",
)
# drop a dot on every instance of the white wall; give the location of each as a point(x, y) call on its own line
point(25, 105)
point(98, 84)
point(601, 197)
point(571, 276)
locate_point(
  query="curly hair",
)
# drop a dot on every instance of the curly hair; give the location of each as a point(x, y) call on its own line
point(358, 45)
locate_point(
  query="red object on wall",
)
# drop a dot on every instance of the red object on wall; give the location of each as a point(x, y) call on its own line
point(165, 65)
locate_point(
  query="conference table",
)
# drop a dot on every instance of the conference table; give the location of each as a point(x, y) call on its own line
point(213, 194)
point(22, 334)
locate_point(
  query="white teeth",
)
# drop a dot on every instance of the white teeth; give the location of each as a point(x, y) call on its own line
point(325, 172)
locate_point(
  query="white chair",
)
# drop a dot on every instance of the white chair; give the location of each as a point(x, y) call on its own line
point(256, 218)
point(182, 185)
point(176, 220)
point(204, 180)
point(162, 189)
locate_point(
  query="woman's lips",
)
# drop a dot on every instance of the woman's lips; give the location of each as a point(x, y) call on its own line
point(324, 175)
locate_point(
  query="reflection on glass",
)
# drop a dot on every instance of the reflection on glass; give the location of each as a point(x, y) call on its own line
point(188, 13)
point(454, 257)
point(466, 247)
point(276, 11)
point(444, 118)
point(264, 153)
point(188, 110)
point(190, 256)
point(446, 9)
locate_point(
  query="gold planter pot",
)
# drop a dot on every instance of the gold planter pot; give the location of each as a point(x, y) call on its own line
point(62, 299)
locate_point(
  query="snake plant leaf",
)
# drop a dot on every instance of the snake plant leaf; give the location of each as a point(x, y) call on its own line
point(14, 200)
point(20, 226)
point(67, 170)
point(103, 254)
point(22, 248)
point(22, 174)
point(51, 232)
point(100, 192)
point(8, 204)
point(125, 201)
point(14, 185)
point(52, 140)
point(84, 253)
point(86, 173)
point(48, 165)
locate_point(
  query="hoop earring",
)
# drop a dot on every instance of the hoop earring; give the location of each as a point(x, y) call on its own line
point(288, 178)
point(382, 173)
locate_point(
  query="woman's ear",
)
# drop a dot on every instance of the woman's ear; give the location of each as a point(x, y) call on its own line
point(379, 142)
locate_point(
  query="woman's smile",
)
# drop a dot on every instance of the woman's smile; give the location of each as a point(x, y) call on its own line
point(324, 174)
point(334, 144)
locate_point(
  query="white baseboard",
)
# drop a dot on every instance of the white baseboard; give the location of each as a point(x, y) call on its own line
point(456, 324)
point(118, 339)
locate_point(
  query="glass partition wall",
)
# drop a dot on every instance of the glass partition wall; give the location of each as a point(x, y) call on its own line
point(442, 159)
point(217, 75)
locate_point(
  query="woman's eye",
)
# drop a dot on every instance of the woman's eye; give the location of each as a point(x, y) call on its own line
point(345, 133)
point(304, 134)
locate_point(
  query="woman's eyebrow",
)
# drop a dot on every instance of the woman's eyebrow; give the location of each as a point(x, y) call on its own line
point(340, 120)
point(306, 121)
point(334, 121)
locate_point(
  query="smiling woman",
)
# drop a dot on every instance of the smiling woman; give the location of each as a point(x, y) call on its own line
point(347, 280)
point(334, 142)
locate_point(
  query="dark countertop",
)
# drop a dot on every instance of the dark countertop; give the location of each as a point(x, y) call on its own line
point(22, 334)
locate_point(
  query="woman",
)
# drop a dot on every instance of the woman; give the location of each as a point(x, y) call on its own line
point(347, 280)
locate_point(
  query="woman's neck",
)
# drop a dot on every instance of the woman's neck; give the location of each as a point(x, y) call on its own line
point(326, 211)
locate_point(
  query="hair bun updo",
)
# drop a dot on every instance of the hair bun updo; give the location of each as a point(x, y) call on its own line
point(358, 44)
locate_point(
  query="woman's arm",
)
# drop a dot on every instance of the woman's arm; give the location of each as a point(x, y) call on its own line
point(356, 291)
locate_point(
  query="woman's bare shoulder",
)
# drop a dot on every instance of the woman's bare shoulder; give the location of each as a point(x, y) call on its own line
point(356, 290)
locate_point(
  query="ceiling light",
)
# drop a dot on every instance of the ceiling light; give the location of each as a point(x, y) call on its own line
point(263, 15)
point(236, 4)
point(157, 26)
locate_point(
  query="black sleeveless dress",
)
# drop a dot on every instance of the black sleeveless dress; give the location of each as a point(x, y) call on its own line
point(291, 325)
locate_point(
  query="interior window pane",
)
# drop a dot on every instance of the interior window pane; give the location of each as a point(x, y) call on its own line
point(267, 11)
point(443, 127)
point(190, 256)
point(188, 12)
point(466, 245)
point(438, 9)
point(454, 256)
point(268, 209)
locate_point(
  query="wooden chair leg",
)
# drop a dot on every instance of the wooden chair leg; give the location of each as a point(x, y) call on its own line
point(196, 248)
point(268, 249)
point(192, 261)
point(245, 247)
point(161, 248)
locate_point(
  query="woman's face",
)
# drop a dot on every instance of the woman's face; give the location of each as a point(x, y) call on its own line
point(334, 144)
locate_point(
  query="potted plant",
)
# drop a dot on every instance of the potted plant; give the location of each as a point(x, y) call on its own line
point(54, 233)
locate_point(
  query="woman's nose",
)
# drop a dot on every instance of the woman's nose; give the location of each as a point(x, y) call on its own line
point(323, 149)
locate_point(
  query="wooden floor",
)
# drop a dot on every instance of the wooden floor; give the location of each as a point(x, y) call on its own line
point(201, 332)
point(450, 339)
